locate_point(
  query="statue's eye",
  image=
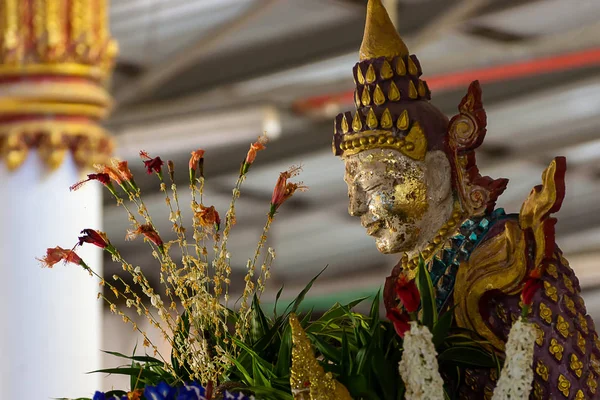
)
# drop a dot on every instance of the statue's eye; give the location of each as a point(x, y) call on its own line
point(372, 187)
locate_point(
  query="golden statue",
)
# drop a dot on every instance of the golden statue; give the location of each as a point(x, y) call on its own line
point(413, 181)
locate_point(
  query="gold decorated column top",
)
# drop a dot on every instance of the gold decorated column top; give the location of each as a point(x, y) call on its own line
point(56, 57)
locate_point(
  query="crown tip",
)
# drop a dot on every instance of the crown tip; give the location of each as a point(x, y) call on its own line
point(381, 39)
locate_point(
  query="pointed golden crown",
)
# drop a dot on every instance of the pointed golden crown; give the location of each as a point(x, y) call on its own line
point(388, 90)
point(381, 38)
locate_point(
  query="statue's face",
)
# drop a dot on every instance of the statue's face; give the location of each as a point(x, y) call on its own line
point(394, 195)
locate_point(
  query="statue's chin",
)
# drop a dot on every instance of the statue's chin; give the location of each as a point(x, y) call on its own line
point(390, 247)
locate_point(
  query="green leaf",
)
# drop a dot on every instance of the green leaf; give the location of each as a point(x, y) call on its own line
point(442, 327)
point(129, 371)
point(262, 392)
point(467, 356)
point(346, 363)
point(145, 359)
point(258, 322)
point(285, 353)
point(259, 377)
point(374, 314)
point(428, 306)
point(337, 310)
point(276, 301)
point(330, 352)
point(298, 300)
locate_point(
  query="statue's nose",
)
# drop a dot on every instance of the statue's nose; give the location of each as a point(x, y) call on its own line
point(358, 203)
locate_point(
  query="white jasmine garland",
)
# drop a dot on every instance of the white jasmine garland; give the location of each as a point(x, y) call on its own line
point(419, 366)
point(517, 374)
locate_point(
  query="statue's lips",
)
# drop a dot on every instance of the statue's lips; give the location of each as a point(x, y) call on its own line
point(374, 227)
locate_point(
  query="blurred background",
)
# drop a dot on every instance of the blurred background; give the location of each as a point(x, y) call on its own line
point(217, 73)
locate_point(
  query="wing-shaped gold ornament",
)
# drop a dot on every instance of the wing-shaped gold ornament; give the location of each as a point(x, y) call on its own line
point(544, 200)
point(499, 264)
point(308, 379)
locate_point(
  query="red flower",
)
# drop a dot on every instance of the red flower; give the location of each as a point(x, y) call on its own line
point(58, 254)
point(152, 164)
point(400, 321)
point(148, 231)
point(100, 177)
point(532, 284)
point(284, 190)
point(94, 237)
point(209, 217)
point(408, 293)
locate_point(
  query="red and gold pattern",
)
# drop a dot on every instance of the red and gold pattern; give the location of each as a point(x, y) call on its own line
point(56, 57)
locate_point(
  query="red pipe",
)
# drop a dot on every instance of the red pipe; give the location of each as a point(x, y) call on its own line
point(497, 73)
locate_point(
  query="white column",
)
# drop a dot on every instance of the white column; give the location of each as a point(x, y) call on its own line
point(50, 318)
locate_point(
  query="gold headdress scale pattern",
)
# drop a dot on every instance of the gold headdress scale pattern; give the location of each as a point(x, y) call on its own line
point(388, 90)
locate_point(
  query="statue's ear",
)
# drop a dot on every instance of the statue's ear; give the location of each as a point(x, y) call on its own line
point(439, 176)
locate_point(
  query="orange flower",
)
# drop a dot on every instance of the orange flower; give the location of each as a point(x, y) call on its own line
point(254, 148)
point(209, 217)
point(110, 171)
point(135, 395)
point(197, 156)
point(284, 189)
point(124, 170)
point(58, 254)
point(196, 163)
point(148, 231)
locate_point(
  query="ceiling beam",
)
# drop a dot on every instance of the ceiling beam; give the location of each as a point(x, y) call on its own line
point(163, 72)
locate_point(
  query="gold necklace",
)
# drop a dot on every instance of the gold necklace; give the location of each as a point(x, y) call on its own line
point(437, 243)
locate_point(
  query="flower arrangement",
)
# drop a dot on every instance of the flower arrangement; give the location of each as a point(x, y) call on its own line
point(219, 351)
